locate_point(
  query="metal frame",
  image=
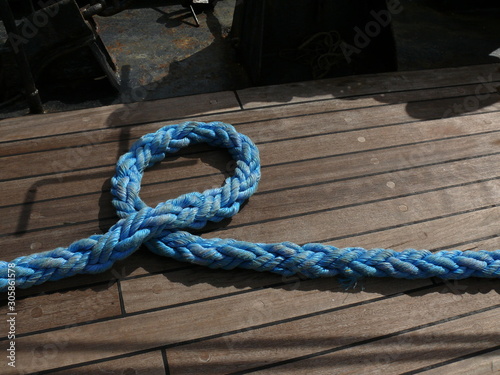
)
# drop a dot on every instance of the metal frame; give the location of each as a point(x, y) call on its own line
point(31, 92)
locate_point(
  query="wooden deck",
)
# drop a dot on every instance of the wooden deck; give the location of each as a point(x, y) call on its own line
point(393, 160)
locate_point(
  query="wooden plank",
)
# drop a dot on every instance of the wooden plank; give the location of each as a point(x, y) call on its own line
point(298, 200)
point(184, 286)
point(487, 363)
point(150, 363)
point(488, 243)
point(65, 309)
point(264, 346)
point(324, 145)
point(464, 231)
point(116, 115)
point(209, 167)
point(365, 85)
point(452, 103)
point(406, 352)
point(105, 340)
point(361, 118)
point(401, 160)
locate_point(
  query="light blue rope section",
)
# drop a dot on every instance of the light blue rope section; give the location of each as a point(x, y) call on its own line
point(161, 228)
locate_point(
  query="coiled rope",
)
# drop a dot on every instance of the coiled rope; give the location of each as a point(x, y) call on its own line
point(161, 228)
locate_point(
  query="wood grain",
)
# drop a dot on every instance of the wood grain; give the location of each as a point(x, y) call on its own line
point(190, 285)
point(340, 329)
point(64, 309)
point(150, 363)
point(405, 352)
point(488, 363)
point(322, 225)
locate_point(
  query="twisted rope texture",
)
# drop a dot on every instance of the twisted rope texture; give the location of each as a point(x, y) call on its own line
point(160, 228)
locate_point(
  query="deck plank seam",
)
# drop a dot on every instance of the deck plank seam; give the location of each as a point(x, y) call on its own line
point(378, 149)
point(351, 205)
point(392, 171)
point(94, 362)
point(135, 124)
point(165, 361)
point(120, 297)
point(238, 99)
point(463, 243)
point(378, 127)
point(91, 284)
point(453, 360)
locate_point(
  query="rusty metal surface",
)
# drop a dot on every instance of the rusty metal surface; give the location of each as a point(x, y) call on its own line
point(162, 54)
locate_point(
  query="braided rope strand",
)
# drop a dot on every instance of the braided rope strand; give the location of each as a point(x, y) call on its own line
point(160, 228)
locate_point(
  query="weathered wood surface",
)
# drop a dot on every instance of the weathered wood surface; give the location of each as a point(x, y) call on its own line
point(393, 160)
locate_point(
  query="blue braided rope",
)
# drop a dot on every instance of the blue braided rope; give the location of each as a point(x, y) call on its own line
point(160, 228)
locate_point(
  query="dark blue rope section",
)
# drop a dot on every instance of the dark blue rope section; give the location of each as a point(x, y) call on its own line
point(160, 228)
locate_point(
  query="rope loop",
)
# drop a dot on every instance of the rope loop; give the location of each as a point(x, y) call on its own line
point(162, 229)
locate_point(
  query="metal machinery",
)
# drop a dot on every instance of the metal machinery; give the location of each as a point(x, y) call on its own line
point(56, 41)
